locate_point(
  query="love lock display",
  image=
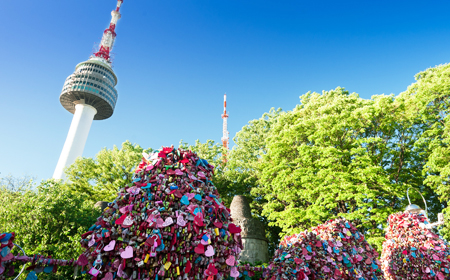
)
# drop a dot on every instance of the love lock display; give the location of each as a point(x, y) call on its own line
point(168, 222)
point(412, 250)
point(334, 250)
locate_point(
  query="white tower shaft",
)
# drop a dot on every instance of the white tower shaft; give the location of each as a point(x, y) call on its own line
point(76, 138)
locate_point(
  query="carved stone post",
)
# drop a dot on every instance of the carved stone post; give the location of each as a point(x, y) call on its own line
point(101, 204)
point(253, 233)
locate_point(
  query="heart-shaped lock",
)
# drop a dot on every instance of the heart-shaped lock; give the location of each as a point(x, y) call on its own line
point(209, 251)
point(128, 221)
point(120, 220)
point(120, 272)
point(231, 261)
point(180, 221)
point(8, 257)
point(212, 270)
point(187, 267)
point(184, 200)
point(159, 222)
point(5, 251)
point(198, 220)
point(127, 253)
point(124, 209)
point(110, 246)
point(234, 272)
point(108, 276)
point(167, 222)
point(190, 196)
point(232, 228)
point(48, 269)
point(199, 249)
point(31, 276)
point(82, 260)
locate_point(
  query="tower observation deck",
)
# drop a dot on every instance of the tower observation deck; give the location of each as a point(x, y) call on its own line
point(89, 93)
point(92, 84)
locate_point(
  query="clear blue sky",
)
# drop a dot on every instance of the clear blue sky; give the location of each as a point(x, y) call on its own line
point(176, 58)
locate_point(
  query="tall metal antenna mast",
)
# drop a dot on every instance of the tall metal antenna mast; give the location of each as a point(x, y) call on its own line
point(225, 137)
point(109, 35)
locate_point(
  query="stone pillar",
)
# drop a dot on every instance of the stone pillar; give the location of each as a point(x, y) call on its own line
point(253, 234)
point(101, 204)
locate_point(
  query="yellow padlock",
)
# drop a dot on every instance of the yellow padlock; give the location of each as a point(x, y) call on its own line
point(216, 230)
point(146, 258)
point(178, 270)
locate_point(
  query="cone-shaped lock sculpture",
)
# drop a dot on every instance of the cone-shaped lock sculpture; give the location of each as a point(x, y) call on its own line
point(412, 251)
point(167, 223)
point(333, 250)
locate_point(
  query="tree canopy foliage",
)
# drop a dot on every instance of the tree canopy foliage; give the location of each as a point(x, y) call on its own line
point(428, 101)
point(101, 177)
point(337, 154)
point(48, 220)
point(243, 170)
point(16, 184)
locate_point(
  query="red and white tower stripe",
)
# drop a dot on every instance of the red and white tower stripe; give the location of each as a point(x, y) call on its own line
point(109, 35)
point(225, 137)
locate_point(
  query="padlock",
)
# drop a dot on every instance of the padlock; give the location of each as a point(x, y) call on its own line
point(95, 271)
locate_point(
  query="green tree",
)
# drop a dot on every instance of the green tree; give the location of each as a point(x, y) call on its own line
point(241, 172)
point(210, 150)
point(213, 153)
point(47, 220)
point(337, 154)
point(50, 218)
point(16, 184)
point(244, 160)
point(428, 101)
point(102, 176)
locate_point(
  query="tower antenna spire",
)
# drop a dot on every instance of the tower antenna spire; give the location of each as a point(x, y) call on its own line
point(225, 136)
point(109, 35)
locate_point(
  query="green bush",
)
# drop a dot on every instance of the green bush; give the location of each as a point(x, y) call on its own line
point(47, 220)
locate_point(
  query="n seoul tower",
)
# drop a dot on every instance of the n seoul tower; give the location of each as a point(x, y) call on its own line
point(89, 94)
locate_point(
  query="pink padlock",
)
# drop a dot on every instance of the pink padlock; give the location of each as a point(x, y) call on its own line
point(94, 271)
